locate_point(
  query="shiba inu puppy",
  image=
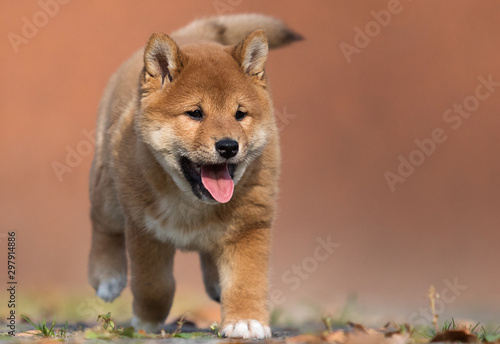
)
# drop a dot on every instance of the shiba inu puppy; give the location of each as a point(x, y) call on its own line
point(187, 157)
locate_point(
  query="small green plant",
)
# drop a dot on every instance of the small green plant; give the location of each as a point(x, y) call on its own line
point(62, 333)
point(109, 330)
point(489, 337)
point(107, 322)
point(328, 322)
point(348, 312)
point(482, 334)
point(451, 325)
point(214, 327)
point(42, 328)
point(180, 323)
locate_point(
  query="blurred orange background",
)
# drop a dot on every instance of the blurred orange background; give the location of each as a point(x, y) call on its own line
point(346, 119)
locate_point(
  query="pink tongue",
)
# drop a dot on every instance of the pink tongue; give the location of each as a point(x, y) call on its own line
point(218, 182)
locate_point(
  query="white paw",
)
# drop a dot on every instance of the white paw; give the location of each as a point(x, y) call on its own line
point(111, 288)
point(246, 329)
point(147, 326)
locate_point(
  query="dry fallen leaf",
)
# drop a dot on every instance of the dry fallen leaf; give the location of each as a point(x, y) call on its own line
point(365, 338)
point(392, 329)
point(339, 337)
point(398, 338)
point(388, 334)
point(462, 335)
point(359, 335)
point(360, 329)
point(305, 338)
point(357, 327)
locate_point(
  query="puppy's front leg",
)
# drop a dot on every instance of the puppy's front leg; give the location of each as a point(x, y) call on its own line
point(243, 269)
point(152, 280)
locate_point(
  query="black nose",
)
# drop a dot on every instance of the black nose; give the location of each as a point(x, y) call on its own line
point(227, 148)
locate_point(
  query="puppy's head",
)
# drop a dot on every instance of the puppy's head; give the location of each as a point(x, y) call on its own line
point(205, 112)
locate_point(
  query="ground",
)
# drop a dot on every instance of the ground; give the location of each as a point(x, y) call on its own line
point(93, 321)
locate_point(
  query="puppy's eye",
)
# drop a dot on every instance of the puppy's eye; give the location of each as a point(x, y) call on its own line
point(240, 115)
point(197, 115)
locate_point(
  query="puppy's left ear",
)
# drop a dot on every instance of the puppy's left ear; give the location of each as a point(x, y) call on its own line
point(251, 53)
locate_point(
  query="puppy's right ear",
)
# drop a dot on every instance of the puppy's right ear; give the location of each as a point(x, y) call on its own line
point(162, 60)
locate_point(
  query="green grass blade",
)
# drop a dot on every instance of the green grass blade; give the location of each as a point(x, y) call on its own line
point(31, 322)
point(51, 331)
point(475, 327)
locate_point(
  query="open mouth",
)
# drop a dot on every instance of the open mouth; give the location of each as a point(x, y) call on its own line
point(210, 181)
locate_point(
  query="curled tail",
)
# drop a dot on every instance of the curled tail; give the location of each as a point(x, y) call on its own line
point(231, 29)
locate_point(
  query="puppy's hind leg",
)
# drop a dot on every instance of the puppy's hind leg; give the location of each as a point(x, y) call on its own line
point(107, 261)
point(210, 276)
